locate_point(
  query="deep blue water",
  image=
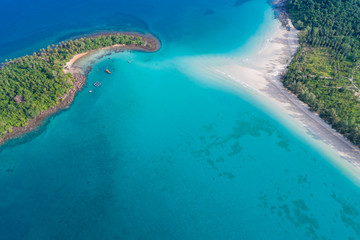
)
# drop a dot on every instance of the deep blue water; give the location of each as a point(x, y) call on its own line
point(155, 153)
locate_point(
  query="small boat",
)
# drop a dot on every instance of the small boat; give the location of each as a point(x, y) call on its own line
point(90, 91)
point(108, 71)
point(97, 84)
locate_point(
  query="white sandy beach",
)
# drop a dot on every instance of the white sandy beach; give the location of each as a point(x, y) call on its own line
point(259, 75)
point(73, 60)
point(70, 65)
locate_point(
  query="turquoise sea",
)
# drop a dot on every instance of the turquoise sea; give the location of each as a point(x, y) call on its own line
point(155, 153)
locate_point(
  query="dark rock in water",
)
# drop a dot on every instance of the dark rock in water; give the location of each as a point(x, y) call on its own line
point(279, 7)
point(240, 2)
point(209, 12)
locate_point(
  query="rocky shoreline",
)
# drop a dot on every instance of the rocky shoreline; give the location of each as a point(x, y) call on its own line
point(80, 75)
point(279, 7)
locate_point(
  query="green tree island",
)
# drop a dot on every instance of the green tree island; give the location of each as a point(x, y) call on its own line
point(35, 83)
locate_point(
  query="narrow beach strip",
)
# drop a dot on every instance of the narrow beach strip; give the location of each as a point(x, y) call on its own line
point(258, 76)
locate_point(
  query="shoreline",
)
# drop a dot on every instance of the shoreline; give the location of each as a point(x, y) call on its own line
point(278, 55)
point(316, 126)
point(258, 76)
point(80, 75)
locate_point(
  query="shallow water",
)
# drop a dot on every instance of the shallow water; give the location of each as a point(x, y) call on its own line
point(156, 154)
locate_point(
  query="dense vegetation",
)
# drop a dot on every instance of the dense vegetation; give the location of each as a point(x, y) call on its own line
point(325, 72)
point(32, 84)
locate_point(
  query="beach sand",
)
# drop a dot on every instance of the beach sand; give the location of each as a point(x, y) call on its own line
point(259, 74)
point(264, 71)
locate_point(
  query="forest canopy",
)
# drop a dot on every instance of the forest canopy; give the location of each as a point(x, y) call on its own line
point(324, 73)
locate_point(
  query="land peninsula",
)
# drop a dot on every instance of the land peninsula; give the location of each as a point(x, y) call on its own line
point(36, 86)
